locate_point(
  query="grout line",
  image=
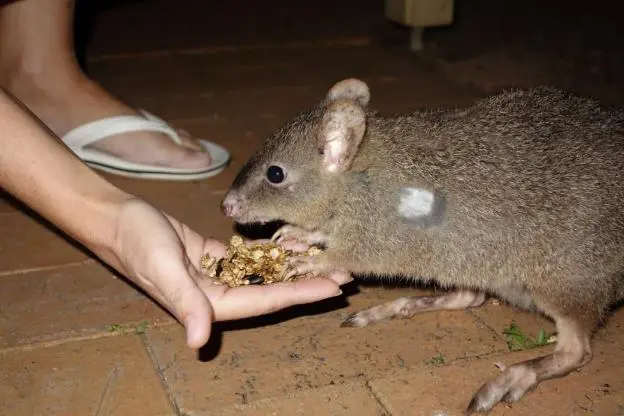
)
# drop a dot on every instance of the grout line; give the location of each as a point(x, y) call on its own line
point(106, 393)
point(45, 268)
point(350, 41)
point(378, 399)
point(8, 213)
point(54, 343)
point(354, 41)
point(215, 192)
point(479, 320)
point(74, 339)
point(161, 375)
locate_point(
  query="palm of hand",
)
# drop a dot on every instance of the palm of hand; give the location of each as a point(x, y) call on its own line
point(161, 255)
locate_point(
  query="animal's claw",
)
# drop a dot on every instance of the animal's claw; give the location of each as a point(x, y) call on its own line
point(299, 266)
point(290, 232)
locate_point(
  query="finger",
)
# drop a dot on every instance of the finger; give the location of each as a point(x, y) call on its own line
point(194, 244)
point(195, 314)
point(196, 333)
point(248, 301)
point(188, 303)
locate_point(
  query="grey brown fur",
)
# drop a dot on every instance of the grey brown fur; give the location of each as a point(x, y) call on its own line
point(531, 183)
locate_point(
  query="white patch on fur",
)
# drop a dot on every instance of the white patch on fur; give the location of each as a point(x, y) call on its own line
point(415, 203)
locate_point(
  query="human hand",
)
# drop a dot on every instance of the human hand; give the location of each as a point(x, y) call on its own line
point(162, 255)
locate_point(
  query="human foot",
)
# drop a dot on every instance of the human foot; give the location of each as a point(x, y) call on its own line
point(64, 106)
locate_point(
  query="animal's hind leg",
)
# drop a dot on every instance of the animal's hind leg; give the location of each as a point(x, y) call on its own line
point(573, 351)
point(406, 307)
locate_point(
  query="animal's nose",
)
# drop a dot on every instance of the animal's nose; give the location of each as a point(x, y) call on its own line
point(231, 205)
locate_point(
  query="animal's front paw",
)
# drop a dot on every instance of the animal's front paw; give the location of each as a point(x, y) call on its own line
point(508, 387)
point(290, 232)
point(300, 266)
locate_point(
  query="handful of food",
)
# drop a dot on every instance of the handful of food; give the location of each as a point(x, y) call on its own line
point(258, 264)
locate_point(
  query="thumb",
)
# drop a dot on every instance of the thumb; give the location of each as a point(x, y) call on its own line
point(188, 303)
point(196, 316)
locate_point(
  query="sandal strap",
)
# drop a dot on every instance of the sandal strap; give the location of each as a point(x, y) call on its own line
point(95, 131)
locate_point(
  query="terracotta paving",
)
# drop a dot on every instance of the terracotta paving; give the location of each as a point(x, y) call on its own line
point(77, 340)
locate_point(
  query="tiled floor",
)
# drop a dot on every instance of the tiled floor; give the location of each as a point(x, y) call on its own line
point(76, 340)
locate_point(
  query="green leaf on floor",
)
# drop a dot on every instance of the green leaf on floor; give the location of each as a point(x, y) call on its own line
point(118, 328)
point(517, 340)
point(437, 360)
point(141, 328)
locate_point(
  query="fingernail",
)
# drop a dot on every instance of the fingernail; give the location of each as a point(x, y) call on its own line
point(338, 293)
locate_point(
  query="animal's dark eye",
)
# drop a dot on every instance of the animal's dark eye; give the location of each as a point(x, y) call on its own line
point(275, 174)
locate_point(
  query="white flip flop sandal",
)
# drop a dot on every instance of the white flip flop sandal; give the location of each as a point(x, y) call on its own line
point(79, 138)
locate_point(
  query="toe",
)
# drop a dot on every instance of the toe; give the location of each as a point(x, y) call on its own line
point(354, 320)
point(188, 141)
point(187, 158)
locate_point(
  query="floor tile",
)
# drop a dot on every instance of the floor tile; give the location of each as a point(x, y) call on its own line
point(287, 353)
point(223, 23)
point(240, 103)
point(180, 72)
point(7, 205)
point(107, 376)
point(27, 244)
point(78, 301)
point(348, 399)
point(597, 388)
point(267, 92)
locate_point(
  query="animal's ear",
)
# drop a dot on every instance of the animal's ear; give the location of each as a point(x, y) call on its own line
point(349, 89)
point(342, 128)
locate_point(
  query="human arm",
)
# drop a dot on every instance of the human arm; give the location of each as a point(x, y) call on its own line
point(151, 248)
